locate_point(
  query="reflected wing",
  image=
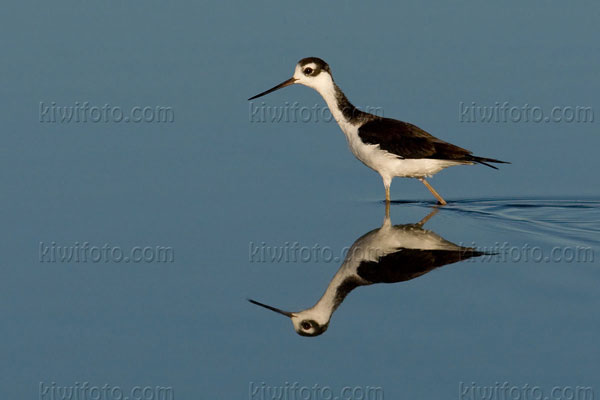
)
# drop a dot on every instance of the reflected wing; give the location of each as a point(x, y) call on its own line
point(407, 264)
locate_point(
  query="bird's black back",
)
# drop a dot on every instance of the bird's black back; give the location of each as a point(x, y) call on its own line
point(409, 141)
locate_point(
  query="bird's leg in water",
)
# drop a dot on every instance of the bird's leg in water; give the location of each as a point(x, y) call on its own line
point(432, 190)
point(387, 210)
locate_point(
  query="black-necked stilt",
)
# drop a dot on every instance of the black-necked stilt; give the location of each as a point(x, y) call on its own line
point(388, 254)
point(390, 147)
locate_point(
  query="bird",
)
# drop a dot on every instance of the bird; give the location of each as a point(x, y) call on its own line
point(391, 147)
point(389, 254)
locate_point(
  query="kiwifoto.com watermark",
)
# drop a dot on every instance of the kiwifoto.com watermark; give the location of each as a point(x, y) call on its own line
point(84, 252)
point(505, 112)
point(295, 252)
point(296, 391)
point(86, 391)
point(296, 113)
point(504, 252)
point(84, 112)
point(507, 391)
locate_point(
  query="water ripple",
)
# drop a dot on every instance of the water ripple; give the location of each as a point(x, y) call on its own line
point(576, 220)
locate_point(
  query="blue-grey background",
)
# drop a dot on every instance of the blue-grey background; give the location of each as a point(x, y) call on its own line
point(213, 181)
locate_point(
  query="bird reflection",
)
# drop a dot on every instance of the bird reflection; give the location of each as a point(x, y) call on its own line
point(389, 254)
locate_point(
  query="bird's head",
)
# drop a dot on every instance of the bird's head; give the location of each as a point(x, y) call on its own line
point(312, 72)
point(306, 323)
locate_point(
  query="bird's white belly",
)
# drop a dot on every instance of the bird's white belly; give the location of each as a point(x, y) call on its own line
point(390, 165)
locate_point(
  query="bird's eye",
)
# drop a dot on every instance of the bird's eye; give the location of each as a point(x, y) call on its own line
point(305, 326)
point(308, 71)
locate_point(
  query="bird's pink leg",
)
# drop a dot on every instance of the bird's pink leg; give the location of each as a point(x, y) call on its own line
point(432, 190)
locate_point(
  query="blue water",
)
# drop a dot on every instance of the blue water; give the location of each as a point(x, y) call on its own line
point(212, 185)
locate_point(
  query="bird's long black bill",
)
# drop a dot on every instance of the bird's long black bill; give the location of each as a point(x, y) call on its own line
point(277, 310)
point(289, 82)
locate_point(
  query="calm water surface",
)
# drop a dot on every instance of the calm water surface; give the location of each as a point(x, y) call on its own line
point(215, 185)
point(525, 315)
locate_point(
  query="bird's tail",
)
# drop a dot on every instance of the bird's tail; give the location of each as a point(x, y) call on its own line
point(485, 161)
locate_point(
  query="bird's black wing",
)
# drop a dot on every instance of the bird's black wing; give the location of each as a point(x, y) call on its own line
point(409, 141)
